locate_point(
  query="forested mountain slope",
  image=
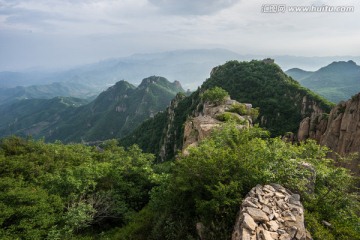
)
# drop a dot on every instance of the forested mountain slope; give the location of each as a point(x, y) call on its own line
point(114, 113)
point(336, 82)
point(283, 103)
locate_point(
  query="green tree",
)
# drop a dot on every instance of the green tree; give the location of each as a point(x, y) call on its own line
point(215, 95)
point(67, 191)
point(208, 184)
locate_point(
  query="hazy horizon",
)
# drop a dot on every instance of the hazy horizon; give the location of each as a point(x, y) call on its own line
point(61, 34)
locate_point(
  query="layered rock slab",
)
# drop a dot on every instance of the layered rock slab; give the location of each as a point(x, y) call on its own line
point(270, 212)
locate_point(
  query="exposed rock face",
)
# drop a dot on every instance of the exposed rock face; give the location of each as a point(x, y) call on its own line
point(202, 123)
point(339, 130)
point(270, 212)
point(343, 128)
point(167, 131)
point(313, 125)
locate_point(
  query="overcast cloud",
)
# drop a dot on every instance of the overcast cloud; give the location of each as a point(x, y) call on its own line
point(57, 33)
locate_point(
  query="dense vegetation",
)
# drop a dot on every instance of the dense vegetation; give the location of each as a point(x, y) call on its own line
point(163, 135)
point(336, 82)
point(266, 86)
point(214, 95)
point(58, 191)
point(208, 185)
point(277, 101)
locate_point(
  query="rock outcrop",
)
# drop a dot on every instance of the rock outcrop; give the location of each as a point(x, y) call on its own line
point(202, 123)
point(270, 212)
point(342, 132)
point(339, 130)
point(313, 125)
point(167, 133)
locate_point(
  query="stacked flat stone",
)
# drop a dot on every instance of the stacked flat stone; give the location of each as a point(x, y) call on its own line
point(270, 212)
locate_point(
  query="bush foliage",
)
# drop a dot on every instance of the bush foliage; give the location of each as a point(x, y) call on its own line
point(56, 191)
point(215, 95)
point(208, 184)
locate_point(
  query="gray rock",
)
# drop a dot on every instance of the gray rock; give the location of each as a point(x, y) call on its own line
point(273, 226)
point(295, 197)
point(268, 188)
point(266, 235)
point(285, 237)
point(247, 203)
point(271, 212)
point(327, 224)
point(249, 222)
point(257, 214)
point(266, 210)
point(288, 216)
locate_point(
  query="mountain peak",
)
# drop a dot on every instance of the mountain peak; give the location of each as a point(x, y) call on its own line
point(342, 65)
point(153, 80)
point(161, 81)
point(337, 81)
point(120, 87)
point(123, 84)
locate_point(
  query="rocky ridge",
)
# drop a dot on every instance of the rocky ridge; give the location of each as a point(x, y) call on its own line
point(202, 123)
point(271, 212)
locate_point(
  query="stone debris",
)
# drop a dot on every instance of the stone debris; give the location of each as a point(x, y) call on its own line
point(271, 212)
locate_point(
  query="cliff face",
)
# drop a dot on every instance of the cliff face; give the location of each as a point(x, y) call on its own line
point(169, 134)
point(314, 125)
point(343, 127)
point(339, 130)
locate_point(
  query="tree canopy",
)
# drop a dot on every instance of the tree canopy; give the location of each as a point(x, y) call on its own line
point(57, 191)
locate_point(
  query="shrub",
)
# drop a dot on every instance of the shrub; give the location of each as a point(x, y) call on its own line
point(228, 117)
point(208, 184)
point(215, 95)
point(241, 109)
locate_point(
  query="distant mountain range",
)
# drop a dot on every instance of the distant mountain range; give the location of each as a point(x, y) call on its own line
point(113, 114)
point(190, 67)
point(336, 82)
point(56, 89)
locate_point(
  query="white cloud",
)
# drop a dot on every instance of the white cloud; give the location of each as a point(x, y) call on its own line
point(83, 31)
point(191, 7)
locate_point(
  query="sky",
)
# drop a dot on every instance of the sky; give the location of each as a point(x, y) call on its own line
point(62, 33)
